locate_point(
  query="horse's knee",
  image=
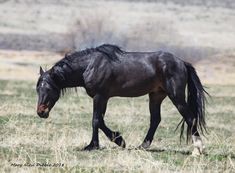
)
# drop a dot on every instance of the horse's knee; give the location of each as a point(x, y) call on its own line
point(96, 122)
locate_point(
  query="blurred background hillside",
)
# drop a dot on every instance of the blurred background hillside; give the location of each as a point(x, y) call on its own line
point(193, 30)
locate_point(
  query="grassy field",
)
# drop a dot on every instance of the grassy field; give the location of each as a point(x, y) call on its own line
point(26, 140)
point(37, 33)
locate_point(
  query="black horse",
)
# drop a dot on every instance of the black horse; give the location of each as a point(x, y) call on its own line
point(107, 71)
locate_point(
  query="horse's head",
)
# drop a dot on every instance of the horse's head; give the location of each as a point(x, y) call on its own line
point(48, 93)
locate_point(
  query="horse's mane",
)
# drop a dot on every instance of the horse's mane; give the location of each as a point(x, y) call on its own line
point(110, 51)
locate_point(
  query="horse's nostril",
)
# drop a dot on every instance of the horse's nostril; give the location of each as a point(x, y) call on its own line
point(42, 108)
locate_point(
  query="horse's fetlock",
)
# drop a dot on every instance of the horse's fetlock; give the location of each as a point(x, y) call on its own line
point(115, 135)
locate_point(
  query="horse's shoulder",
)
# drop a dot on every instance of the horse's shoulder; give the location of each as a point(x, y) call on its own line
point(97, 73)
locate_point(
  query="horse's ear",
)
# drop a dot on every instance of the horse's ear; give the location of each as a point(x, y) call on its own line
point(41, 70)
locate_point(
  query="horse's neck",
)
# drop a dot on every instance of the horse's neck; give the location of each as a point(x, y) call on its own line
point(73, 76)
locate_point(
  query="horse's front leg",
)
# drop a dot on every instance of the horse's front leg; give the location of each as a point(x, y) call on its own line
point(99, 103)
point(113, 136)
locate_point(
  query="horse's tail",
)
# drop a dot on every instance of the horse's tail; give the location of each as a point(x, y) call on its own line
point(196, 101)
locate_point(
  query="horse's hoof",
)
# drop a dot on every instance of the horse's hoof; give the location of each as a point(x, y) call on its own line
point(117, 139)
point(145, 145)
point(90, 147)
point(196, 152)
point(198, 146)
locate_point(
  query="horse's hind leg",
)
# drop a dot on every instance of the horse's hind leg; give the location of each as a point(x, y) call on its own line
point(192, 125)
point(176, 92)
point(155, 100)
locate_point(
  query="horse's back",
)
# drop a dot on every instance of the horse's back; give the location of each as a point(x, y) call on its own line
point(149, 64)
point(139, 73)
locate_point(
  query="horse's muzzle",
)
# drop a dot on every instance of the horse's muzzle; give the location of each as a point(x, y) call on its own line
point(43, 111)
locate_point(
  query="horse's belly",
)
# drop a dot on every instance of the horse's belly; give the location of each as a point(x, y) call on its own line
point(130, 93)
point(135, 88)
